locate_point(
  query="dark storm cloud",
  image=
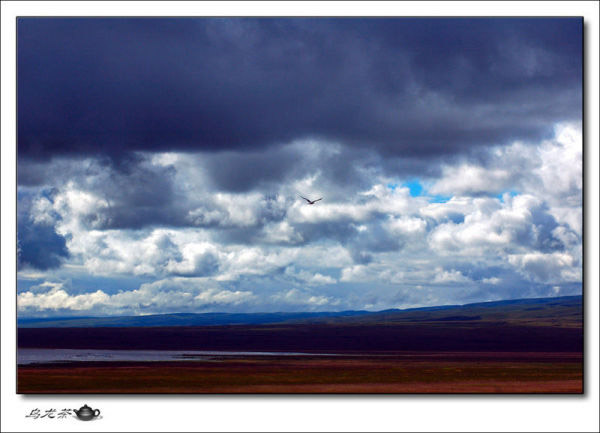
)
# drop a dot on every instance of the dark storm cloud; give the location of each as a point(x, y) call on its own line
point(418, 87)
point(204, 265)
point(247, 171)
point(376, 239)
point(337, 171)
point(140, 198)
point(133, 196)
point(541, 235)
point(40, 247)
point(38, 244)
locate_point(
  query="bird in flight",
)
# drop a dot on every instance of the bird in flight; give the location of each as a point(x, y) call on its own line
point(312, 201)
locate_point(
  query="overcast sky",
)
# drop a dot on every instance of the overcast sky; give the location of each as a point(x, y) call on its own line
point(161, 163)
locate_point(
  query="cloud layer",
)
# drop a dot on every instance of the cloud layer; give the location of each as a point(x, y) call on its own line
point(408, 87)
point(161, 163)
point(267, 249)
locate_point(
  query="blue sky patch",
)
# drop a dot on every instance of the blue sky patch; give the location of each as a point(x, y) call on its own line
point(439, 199)
point(414, 186)
point(512, 193)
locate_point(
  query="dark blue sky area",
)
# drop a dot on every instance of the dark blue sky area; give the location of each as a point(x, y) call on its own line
point(404, 86)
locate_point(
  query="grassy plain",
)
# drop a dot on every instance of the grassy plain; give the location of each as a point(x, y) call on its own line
point(523, 346)
point(377, 373)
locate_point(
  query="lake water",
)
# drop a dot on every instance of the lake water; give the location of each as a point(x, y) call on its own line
point(34, 356)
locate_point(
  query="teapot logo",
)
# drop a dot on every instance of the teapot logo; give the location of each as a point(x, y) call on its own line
point(86, 413)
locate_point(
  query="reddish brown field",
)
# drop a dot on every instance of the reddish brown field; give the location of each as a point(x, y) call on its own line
point(452, 372)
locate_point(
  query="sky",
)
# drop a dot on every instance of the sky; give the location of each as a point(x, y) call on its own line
point(161, 163)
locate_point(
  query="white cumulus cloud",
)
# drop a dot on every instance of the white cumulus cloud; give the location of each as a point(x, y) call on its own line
point(547, 268)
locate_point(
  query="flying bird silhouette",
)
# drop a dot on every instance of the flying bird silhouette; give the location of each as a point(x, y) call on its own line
point(312, 201)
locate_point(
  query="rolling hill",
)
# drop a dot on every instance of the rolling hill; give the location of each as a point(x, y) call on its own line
point(562, 311)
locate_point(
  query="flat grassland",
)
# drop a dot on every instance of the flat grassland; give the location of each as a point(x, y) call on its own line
point(392, 373)
point(434, 357)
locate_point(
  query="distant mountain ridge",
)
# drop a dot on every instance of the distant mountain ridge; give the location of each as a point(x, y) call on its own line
point(178, 319)
point(561, 311)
